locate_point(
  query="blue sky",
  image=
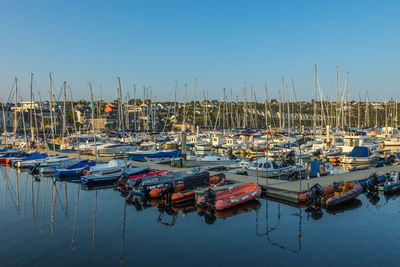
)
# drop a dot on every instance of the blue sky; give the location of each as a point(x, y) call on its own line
point(221, 43)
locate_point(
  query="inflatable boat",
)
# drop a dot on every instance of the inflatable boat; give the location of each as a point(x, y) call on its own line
point(229, 198)
point(188, 192)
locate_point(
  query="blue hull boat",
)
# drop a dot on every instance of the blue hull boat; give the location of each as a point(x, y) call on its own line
point(111, 177)
point(74, 170)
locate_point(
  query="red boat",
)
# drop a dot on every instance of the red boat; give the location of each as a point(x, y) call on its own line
point(229, 198)
point(189, 182)
point(122, 183)
point(186, 195)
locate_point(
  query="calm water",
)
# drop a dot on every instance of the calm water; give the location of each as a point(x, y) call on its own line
point(46, 222)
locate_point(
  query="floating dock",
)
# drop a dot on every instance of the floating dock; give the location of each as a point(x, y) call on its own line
point(275, 188)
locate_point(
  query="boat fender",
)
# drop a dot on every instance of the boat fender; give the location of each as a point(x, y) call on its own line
point(254, 193)
point(234, 201)
point(245, 197)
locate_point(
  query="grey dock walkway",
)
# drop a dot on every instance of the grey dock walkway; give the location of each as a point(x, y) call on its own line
point(280, 189)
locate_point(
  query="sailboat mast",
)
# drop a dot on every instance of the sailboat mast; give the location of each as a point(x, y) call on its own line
point(30, 110)
point(337, 92)
point(43, 126)
point(315, 98)
point(15, 107)
point(194, 106)
point(64, 110)
point(73, 118)
point(51, 112)
point(4, 124)
point(92, 109)
point(265, 104)
point(122, 118)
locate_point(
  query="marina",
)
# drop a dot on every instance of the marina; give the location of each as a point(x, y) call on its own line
point(193, 133)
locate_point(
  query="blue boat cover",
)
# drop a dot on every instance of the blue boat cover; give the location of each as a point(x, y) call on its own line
point(359, 152)
point(65, 151)
point(161, 154)
point(314, 168)
point(80, 164)
point(35, 156)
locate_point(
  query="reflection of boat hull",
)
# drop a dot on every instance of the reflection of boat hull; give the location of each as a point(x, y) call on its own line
point(246, 207)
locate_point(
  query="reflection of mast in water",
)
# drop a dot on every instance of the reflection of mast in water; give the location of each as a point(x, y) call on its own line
point(75, 218)
point(17, 190)
point(23, 204)
point(53, 201)
point(43, 207)
point(33, 201)
point(270, 229)
point(5, 188)
point(37, 197)
point(65, 199)
point(121, 259)
point(94, 225)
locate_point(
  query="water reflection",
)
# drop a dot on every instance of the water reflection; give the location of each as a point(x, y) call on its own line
point(275, 226)
point(75, 219)
point(95, 211)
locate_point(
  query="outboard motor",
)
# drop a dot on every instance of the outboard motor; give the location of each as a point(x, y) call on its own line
point(290, 157)
point(209, 197)
point(389, 160)
point(168, 190)
point(34, 169)
point(317, 152)
point(294, 175)
point(316, 192)
point(372, 184)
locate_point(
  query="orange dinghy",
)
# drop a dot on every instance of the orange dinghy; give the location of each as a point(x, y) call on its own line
point(188, 193)
point(335, 194)
point(229, 198)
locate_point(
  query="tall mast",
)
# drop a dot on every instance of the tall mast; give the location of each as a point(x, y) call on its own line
point(283, 104)
point(51, 112)
point(265, 104)
point(293, 114)
point(30, 110)
point(223, 112)
point(134, 107)
point(73, 118)
point(358, 111)
point(184, 106)
point(367, 111)
point(245, 106)
point(315, 98)
point(280, 110)
point(64, 110)
point(337, 92)
point(122, 118)
point(43, 126)
point(15, 107)
point(194, 106)
point(4, 124)
point(175, 107)
point(92, 109)
point(347, 103)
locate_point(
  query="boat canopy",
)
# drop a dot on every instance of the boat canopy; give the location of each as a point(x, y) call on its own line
point(359, 152)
